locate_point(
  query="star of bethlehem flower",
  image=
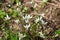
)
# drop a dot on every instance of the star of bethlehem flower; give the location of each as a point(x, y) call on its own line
point(41, 34)
point(56, 35)
point(38, 19)
point(26, 20)
point(42, 15)
point(17, 20)
point(18, 9)
point(43, 22)
point(9, 5)
point(35, 5)
point(18, 3)
point(7, 17)
point(27, 26)
point(21, 36)
point(27, 16)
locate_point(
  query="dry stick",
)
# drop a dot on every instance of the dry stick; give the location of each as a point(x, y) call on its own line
point(55, 1)
point(56, 5)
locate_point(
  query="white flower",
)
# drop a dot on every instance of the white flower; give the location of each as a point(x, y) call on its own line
point(27, 17)
point(31, 1)
point(35, 5)
point(16, 20)
point(45, 0)
point(18, 3)
point(37, 20)
point(41, 34)
point(17, 9)
point(26, 20)
point(27, 26)
point(7, 17)
point(9, 5)
point(56, 35)
point(21, 36)
point(41, 18)
point(43, 22)
point(42, 15)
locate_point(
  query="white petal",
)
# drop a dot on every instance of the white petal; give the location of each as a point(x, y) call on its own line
point(37, 20)
point(35, 5)
point(9, 5)
point(7, 17)
point(41, 34)
point(26, 21)
point(43, 22)
point(45, 0)
point(21, 36)
point(42, 15)
point(27, 17)
point(16, 20)
point(56, 35)
point(27, 26)
point(17, 4)
point(41, 18)
point(23, 17)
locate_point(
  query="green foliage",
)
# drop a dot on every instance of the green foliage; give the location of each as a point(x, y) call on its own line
point(12, 1)
point(44, 2)
point(15, 13)
point(17, 18)
point(11, 35)
point(24, 9)
point(2, 14)
point(57, 31)
point(15, 1)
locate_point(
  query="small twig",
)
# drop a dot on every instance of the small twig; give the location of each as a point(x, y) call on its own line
point(56, 5)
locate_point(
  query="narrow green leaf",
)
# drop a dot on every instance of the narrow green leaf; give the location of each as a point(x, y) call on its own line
point(13, 1)
point(57, 32)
